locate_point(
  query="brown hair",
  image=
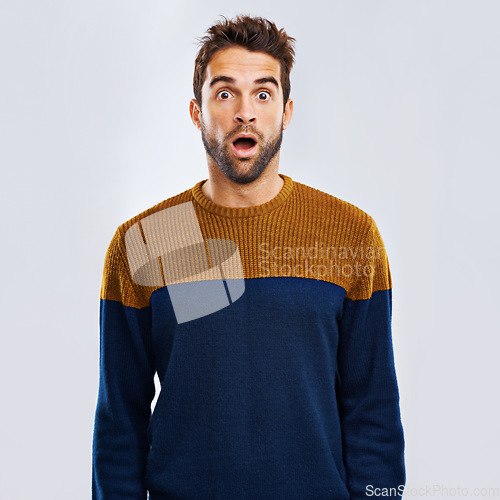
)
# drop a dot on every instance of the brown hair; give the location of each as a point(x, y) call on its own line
point(253, 33)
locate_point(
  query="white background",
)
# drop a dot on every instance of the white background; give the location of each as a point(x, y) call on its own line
point(397, 110)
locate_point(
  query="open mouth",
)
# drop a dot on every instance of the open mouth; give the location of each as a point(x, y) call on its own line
point(244, 143)
point(244, 146)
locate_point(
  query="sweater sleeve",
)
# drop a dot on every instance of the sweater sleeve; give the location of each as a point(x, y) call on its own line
point(126, 385)
point(372, 433)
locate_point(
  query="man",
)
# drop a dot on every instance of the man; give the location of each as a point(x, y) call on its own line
point(263, 304)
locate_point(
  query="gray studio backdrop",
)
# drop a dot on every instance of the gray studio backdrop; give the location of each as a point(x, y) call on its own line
point(396, 111)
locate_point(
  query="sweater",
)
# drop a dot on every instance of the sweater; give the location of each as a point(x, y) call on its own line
point(269, 328)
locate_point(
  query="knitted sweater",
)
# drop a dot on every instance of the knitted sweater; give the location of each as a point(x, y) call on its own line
point(270, 330)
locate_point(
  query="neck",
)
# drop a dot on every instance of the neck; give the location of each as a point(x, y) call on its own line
point(223, 191)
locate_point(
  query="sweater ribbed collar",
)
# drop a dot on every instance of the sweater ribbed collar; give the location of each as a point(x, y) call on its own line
point(262, 209)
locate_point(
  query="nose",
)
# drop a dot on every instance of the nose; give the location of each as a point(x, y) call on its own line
point(245, 112)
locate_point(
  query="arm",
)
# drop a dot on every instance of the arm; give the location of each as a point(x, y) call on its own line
point(372, 434)
point(126, 386)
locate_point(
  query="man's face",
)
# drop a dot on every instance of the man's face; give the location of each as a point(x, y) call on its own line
point(242, 95)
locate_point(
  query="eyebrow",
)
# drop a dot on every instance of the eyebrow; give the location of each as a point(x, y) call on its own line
point(228, 79)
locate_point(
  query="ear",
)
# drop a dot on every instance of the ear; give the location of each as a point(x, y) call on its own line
point(195, 112)
point(287, 114)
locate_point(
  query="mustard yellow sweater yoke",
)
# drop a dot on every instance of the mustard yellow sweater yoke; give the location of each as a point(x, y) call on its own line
point(270, 330)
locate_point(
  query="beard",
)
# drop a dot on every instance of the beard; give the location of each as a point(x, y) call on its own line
point(221, 153)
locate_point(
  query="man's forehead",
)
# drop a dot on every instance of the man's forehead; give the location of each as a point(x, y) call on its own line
point(239, 63)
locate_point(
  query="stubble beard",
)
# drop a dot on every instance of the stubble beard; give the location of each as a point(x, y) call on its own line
point(222, 155)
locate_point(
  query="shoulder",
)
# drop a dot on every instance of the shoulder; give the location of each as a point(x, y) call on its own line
point(349, 237)
point(133, 227)
point(127, 257)
point(178, 199)
point(344, 217)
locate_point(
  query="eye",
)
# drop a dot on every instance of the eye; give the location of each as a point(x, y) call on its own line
point(223, 94)
point(266, 94)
